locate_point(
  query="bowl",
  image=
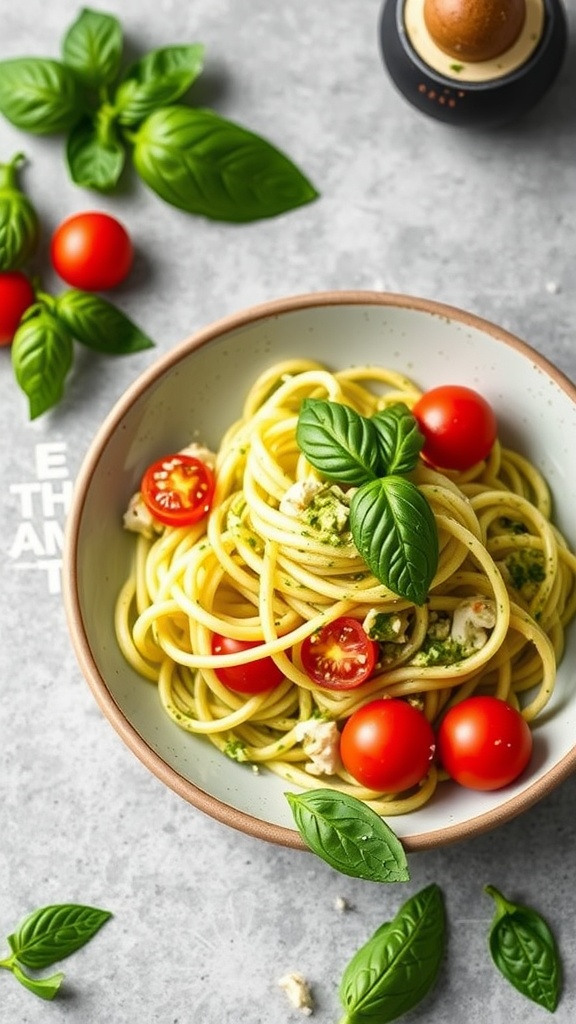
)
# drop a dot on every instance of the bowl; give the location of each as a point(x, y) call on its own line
point(485, 94)
point(197, 390)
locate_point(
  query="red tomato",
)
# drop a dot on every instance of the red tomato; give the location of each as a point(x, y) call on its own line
point(91, 251)
point(252, 677)
point(16, 295)
point(458, 424)
point(178, 490)
point(340, 655)
point(484, 743)
point(387, 745)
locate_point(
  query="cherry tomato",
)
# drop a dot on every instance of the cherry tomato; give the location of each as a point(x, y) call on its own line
point(484, 743)
point(387, 745)
point(16, 295)
point(252, 677)
point(91, 251)
point(340, 655)
point(178, 490)
point(458, 424)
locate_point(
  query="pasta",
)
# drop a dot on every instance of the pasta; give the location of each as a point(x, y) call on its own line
point(253, 571)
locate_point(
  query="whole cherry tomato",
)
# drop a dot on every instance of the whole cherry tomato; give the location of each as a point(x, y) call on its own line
point(387, 745)
point(16, 295)
point(458, 424)
point(340, 655)
point(250, 677)
point(484, 743)
point(92, 251)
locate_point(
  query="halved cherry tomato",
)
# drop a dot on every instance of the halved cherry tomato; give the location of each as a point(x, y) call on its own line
point(251, 677)
point(16, 295)
point(340, 655)
point(458, 424)
point(387, 745)
point(178, 489)
point(484, 743)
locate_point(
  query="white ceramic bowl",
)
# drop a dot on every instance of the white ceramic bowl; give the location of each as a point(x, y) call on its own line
point(199, 386)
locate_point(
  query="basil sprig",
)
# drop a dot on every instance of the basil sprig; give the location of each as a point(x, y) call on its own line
point(524, 950)
point(47, 936)
point(391, 522)
point(191, 158)
point(19, 225)
point(393, 971)
point(349, 835)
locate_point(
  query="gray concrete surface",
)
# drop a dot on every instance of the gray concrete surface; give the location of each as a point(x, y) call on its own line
point(206, 920)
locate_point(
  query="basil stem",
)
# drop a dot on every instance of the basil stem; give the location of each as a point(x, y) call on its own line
point(349, 835)
point(393, 971)
point(524, 950)
point(19, 225)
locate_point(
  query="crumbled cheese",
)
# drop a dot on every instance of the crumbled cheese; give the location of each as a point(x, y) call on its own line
point(388, 626)
point(201, 452)
point(298, 991)
point(471, 620)
point(321, 743)
point(139, 519)
point(298, 497)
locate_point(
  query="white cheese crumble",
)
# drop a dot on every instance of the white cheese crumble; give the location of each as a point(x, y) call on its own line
point(471, 620)
point(321, 743)
point(139, 519)
point(298, 991)
point(298, 497)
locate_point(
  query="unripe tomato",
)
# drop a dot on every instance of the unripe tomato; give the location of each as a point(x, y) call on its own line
point(92, 251)
point(16, 295)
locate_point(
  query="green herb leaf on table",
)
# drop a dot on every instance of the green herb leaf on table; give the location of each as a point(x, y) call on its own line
point(399, 438)
point(339, 442)
point(92, 47)
point(95, 155)
point(46, 988)
point(19, 225)
point(42, 352)
point(399, 964)
point(524, 950)
point(395, 531)
point(98, 324)
point(349, 835)
point(206, 165)
point(40, 95)
point(157, 79)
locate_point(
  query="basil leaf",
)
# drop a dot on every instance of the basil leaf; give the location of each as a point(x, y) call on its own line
point(206, 165)
point(337, 441)
point(524, 950)
point(394, 529)
point(39, 95)
point(94, 162)
point(93, 47)
point(41, 353)
point(158, 79)
point(349, 835)
point(400, 439)
point(98, 324)
point(399, 964)
point(19, 225)
point(46, 988)
point(54, 932)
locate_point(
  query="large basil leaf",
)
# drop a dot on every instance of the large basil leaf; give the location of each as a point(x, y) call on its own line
point(349, 835)
point(95, 159)
point(338, 441)
point(54, 932)
point(42, 352)
point(400, 439)
point(19, 225)
point(39, 95)
point(99, 324)
point(524, 950)
point(204, 164)
point(395, 531)
point(399, 964)
point(92, 46)
point(156, 80)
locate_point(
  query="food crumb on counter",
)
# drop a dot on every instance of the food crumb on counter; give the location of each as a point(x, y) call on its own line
point(552, 287)
point(341, 904)
point(298, 991)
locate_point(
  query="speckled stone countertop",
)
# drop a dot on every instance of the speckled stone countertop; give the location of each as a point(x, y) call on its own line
point(207, 920)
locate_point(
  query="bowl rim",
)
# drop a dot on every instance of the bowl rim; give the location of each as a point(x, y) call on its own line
point(189, 791)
